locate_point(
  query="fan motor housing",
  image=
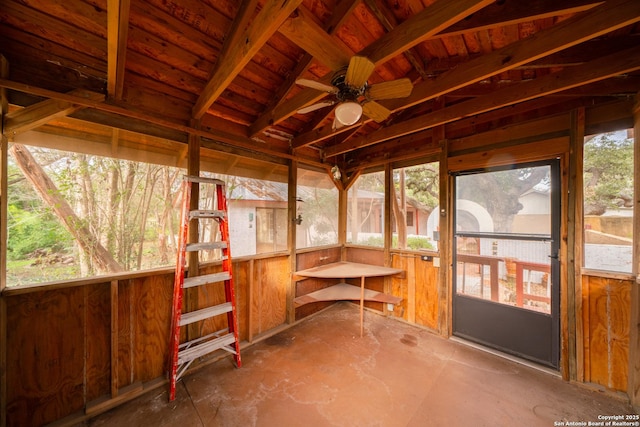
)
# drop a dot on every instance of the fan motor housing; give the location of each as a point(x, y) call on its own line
point(345, 91)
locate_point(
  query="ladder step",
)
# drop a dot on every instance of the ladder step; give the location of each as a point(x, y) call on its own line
point(190, 282)
point(202, 213)
point(205, 313)
point(203, 180)
point(203, 246)
point(204, 348)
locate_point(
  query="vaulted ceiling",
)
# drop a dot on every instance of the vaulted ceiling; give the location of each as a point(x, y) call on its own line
point(141, 74)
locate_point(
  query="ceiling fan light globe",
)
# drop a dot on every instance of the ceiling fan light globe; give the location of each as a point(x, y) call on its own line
point(348, 112)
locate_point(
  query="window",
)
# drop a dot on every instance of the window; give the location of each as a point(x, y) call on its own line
point(72, 215)
point(608, 201)
point(365, 210)
point(317, 209)
point(415, 200)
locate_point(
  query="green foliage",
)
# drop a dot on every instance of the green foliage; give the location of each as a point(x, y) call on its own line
point(418, 242)
point(413, 242)
point(30, 231)
point(423, 183)
point(608, 171)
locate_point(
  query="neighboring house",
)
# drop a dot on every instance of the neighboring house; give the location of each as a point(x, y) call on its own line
point(370, 214)
point(533, 218)
point(257, 217)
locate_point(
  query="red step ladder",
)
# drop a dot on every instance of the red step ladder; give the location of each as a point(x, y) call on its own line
point(183, 354)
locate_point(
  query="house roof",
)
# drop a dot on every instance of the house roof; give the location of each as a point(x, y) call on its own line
point(144, 76)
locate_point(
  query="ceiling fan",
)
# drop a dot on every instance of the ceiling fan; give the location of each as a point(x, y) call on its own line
point(354, 96)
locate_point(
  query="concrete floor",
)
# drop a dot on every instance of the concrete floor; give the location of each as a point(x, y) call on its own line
point(322, 373)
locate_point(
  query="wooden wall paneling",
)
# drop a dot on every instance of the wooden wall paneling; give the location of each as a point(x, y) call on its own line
point(608, 304)
point(427, 290)
point(412, 288)
point(309, 259)
point(586, 335)
point(113, 290)
point(273, 279)
point(373, 256)
point(251, 298)
point(634, 334)
point(45, 367)
point(98, 340)
point(126, 333)
point(242, 284)
point(152, 317)
point(400, 286)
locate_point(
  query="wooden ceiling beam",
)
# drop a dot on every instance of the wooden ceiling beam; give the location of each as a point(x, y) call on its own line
point(598, 69)
point(36, 115)
point(280, 111)
point(252, 38)
point(117, 30)
point(239, 142)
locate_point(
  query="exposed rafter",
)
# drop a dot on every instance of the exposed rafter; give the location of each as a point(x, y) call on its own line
point(251, 39)
point(36, 115)
point(117, 30)
point(598, 69)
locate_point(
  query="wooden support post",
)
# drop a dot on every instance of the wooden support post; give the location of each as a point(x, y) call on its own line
point(633, 384)
point(444, 229)
point(193, 169)
point(388, 194)
point(292, 197)
point(4, 148)
point(572, 361)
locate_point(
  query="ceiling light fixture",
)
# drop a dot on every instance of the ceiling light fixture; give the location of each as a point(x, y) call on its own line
point(348, 112)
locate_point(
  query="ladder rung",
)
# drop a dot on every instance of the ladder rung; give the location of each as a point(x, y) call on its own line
point(205, 313)
point(190, 282)
point(203, 180)
point(202, 213)
point(203, 246)
point(207, 347)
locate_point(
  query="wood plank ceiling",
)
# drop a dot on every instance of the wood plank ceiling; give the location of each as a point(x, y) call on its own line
point(155, 70)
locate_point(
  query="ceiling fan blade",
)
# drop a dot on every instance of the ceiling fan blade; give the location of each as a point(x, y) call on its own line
point(359, 70)
point(317, 85)
point(314, 107)
point(400, 88)
point(375, 111)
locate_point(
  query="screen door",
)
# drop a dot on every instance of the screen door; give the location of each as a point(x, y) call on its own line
point(506, 235)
